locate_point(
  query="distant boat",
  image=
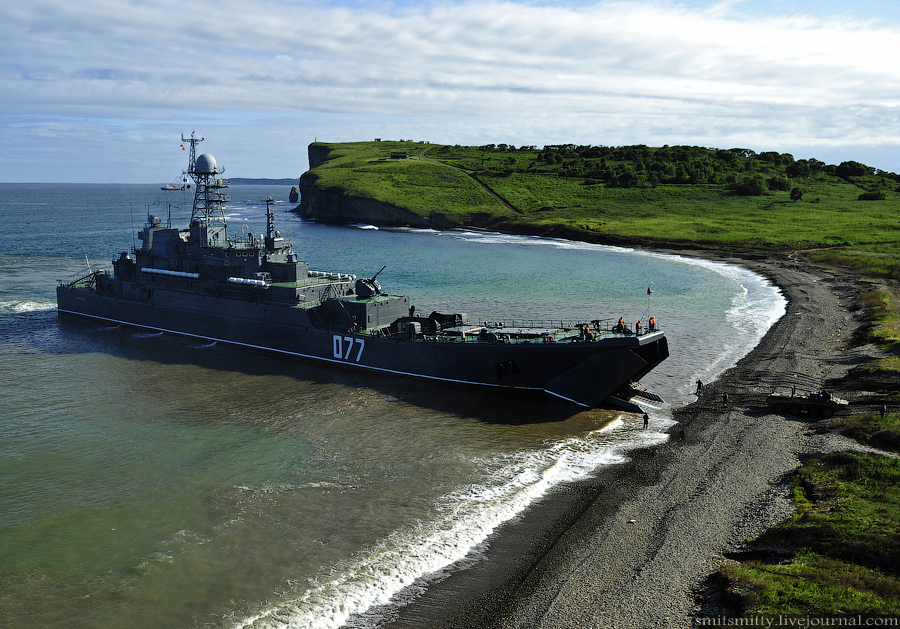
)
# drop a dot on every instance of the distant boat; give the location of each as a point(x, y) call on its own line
point(170, 186)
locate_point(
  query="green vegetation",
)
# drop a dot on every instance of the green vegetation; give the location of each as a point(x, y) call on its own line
point(872, 430)
point(366, 170)
point(846, 540)
point(687, 196)
point(885, 330)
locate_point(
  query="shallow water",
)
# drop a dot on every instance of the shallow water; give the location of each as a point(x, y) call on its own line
point(149, 480)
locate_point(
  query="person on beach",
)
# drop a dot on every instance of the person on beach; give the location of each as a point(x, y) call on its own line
point(724, 399)
point(699, 388)
point(646, 421)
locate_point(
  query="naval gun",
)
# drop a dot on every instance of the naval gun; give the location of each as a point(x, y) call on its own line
point(366, 288)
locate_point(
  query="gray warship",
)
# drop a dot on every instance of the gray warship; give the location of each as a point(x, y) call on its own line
point(253, 291)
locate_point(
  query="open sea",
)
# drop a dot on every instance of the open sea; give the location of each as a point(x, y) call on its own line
point(154, 481)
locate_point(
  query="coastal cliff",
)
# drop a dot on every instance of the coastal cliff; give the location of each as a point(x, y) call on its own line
point(333, 205)
point(318, 154)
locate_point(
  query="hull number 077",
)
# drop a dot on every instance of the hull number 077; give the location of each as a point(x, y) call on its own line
point(344, 346)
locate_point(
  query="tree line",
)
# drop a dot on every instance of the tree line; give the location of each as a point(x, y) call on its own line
point(741, 170)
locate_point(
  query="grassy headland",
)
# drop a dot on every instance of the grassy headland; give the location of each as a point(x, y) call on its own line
point(683, 196)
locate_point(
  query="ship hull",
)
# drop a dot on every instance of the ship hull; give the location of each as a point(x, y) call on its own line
point(584, 373)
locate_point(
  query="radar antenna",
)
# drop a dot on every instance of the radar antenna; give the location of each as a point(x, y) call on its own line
point(208, 212)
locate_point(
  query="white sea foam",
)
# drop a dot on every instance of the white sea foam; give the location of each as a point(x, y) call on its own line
point(18, 306)
point(147, 335)
point(498, 238)
point(467, 518)
point(363, 226)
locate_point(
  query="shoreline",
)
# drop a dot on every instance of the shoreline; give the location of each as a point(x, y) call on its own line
point(636, 544)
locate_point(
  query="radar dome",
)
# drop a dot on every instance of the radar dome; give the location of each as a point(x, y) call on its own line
point(206, 164)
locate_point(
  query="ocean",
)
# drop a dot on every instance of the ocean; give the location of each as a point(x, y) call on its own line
point(150, 480)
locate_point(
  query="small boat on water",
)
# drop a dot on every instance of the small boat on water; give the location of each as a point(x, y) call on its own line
point(170, 187)
point(254, 291)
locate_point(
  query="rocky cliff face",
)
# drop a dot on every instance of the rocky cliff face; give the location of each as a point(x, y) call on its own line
point(335, 206)
point(318, 154)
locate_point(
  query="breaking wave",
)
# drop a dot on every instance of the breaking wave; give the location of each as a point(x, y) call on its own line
point(398, 564)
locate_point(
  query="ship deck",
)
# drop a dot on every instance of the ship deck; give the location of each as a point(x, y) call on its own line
point(520, 332)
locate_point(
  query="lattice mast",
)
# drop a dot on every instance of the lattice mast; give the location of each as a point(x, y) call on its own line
point(208, 212)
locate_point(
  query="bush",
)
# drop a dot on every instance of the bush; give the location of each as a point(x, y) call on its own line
point(876, 195)
point(753, 186)
point(779, 182)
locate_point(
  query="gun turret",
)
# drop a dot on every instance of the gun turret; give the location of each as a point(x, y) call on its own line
point(366, 288)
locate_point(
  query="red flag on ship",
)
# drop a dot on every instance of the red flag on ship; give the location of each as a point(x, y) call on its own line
point(182, 147)
point(649, 291)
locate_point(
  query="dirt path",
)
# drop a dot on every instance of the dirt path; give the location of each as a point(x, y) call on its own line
point(488, 189)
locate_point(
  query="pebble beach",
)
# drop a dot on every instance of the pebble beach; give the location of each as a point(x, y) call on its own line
point(636, 545)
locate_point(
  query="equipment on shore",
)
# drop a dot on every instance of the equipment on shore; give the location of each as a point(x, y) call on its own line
point(817, 404)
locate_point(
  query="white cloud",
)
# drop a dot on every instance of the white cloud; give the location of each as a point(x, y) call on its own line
point(610, 73)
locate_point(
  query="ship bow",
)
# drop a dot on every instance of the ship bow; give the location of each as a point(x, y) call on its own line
point(596, 377)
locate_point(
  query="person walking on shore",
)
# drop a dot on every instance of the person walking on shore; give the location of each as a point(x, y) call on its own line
point(646, 421)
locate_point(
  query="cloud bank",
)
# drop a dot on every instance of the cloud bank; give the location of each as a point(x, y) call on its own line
point(99, 77)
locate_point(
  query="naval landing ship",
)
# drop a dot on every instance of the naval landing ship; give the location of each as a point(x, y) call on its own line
point(254, 291)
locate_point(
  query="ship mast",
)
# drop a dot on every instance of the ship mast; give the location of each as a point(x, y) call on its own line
point(208, 212)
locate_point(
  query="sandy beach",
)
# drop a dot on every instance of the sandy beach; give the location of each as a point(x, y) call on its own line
point(636, 545)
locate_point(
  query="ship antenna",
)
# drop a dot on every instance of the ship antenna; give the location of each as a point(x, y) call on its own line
point(131, 211)
point(208, 211)
point(270, 220)
point(192, 156)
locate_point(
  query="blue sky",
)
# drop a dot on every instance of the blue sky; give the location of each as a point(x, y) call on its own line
point(101, 90)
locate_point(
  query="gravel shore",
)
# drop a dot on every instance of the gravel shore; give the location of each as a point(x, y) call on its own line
point(635, 546)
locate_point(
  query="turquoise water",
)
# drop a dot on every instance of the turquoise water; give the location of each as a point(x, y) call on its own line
point(154, 481)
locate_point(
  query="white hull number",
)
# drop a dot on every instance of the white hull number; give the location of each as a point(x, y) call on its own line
point(343, 347)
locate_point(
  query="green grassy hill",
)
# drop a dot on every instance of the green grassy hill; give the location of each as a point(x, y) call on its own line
point(683, 196)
